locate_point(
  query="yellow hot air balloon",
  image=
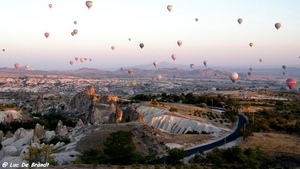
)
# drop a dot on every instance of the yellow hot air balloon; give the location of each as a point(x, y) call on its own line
point(240, 20)
point(89, 4)
point(234, 76)
point(155, 63)
point(159, 77)
point(170, 7)
point(179, 43)
point(277, 25)
point(250, 44)
point(112, 47)
point(133, 83)
point(75, 31)
point(50, 6)
point(174, 56)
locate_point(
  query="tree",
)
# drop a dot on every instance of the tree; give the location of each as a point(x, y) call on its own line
point(120, 148)
point(174, 156)
point(40, 155)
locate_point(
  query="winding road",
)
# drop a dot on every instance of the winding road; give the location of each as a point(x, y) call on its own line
point(232, 136)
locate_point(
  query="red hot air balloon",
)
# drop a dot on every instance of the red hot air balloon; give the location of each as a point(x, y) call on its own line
point(46, 34)
point(89, 4)
point(291, 82)
point(16, 65)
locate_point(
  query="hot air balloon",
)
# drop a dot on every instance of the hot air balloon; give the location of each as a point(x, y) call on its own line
point(90, 60)
point(159, 77)
point(250, 69)
point(3, 50)
point(179, 43)
point(46, 34)
point(291, 82)
point(234, 76)
point(76, 58)
point(75, 22)
point(174, 56)
point(260, 60)
point(122, 69)
point(240, 20)
point(75, 31)
point(81, 60)
point(133, 83)
point(205, 63)
point(192, 66)
point(72, 33)
point(85, 58)
point(129, 39)
point(249, 73)
point(170, 7)
point(71, 62)
point(16, 65)
point(283, 73)
point(141, 45)
point(196, 19)
point(27, 67)
point(130, 71)
point(250, 44)
point(277, 25)
point(112, 47)
point(50, 6)
point(283, 66)
point(155, 63)
point(89, 4)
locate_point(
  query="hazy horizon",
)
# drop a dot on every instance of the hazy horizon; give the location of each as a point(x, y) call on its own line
point(216, 37)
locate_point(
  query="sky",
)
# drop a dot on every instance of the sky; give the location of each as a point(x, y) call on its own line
point(216, 37)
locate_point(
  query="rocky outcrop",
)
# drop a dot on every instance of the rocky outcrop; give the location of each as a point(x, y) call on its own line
point(79, 123)
point(110, 99)
point(39, 104)
point(129, 114)
point(82, 106)
point(61, 129)
point(38, 133)
point(95, 117)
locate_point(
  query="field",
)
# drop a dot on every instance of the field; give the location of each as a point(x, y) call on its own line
point(274, 143)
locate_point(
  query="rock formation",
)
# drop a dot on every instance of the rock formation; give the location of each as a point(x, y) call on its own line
point(83, 106)
point(38, 133)
point(39, 104)
point(129, 114)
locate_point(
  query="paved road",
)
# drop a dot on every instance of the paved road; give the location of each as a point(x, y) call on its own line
point(234, 135)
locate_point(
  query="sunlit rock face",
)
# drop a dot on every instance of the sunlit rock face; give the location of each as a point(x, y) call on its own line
point(82, 106)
